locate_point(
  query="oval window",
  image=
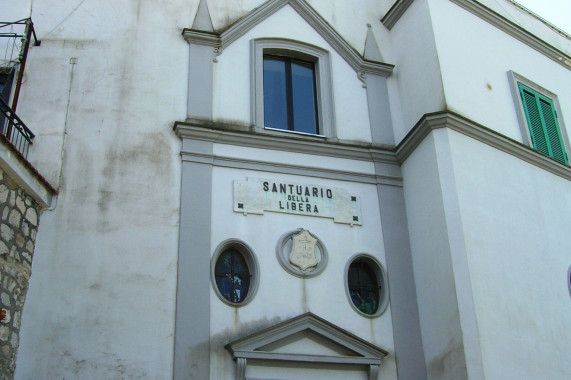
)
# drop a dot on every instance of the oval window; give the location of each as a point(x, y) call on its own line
point(366, 285)
point(234, 272)
point(232, 276)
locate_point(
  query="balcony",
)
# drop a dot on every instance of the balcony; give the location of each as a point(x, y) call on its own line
point(15, 38)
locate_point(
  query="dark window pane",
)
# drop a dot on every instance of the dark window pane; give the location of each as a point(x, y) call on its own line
point(232, 276)
point(275, 97)
point(289, 94)
point(363, 287)
point(303, 89)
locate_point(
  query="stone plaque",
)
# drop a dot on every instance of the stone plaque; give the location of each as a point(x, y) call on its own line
point(254, 196)
point(303, 253)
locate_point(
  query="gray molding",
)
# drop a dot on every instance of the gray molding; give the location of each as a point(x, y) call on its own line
point(395, 13)
point(382, 280)
point(515, 31)
point(192, 340)
point(447, 119)
point(258, 345)
point(220, 40)
point(388, 170)
point(248, 137)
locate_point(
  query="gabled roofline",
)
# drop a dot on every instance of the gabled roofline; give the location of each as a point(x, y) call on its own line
point(248, 347)
point(221, 40)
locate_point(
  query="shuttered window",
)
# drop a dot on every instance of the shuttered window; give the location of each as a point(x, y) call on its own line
point(542, 122)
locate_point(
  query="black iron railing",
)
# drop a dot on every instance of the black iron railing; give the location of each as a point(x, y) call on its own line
point(14, 129)
point(15, 38)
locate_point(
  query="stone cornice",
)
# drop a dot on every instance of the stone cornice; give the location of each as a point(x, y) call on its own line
point(201, 38)
point(395, 13)
point(284, 141)
point(458, 123)
point(242, 26)
point(515, 31)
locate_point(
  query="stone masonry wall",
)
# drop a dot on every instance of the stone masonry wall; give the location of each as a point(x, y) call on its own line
point(19, 216)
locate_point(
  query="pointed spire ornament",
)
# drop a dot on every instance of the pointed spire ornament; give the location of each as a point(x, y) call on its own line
point(372, 52)
point(202, 19)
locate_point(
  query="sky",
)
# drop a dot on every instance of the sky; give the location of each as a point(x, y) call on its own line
point(557, 12)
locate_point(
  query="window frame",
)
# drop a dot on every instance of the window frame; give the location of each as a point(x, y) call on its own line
point(253, 267)
point(522, 116)
point(323, 84)
point(382, 280)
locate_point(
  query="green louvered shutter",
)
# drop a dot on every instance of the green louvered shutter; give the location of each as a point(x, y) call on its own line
point(543, 125)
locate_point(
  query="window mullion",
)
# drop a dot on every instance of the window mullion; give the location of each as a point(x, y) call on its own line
point(289, 95)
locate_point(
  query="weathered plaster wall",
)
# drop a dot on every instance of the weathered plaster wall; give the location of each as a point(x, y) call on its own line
point(18, 229)
point(101, 94)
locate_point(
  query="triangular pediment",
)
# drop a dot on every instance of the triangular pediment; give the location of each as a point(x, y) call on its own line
point(226, 37)
point(307, 338)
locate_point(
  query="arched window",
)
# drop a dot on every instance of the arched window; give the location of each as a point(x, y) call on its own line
point(291, 87)
point(234, 273)
point(366, 285)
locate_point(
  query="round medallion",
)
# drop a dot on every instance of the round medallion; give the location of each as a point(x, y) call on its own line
point(301, 253)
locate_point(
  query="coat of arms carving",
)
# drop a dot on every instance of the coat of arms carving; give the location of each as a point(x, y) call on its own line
point(303, 251)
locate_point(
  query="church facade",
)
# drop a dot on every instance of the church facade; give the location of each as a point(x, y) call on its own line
point(296, 189)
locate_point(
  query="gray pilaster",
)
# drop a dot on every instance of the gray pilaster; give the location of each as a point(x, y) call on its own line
point(403, 301)
point(200, 81)
point(379, 109)
point(192, 325)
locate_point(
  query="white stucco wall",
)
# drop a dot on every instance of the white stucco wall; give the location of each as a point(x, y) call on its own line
point(436, 242)
point(415, 87)
point(516, 222)
point(476, 56)
point(489, 244)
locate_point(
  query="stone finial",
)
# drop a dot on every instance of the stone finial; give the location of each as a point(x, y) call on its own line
point(372, 52)
point(202, 19)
